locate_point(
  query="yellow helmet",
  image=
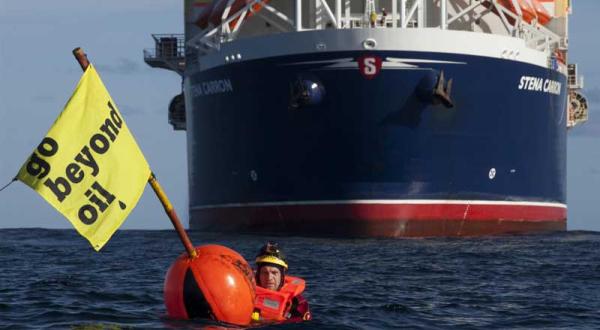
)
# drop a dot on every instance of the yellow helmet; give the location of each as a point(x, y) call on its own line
point(270, 254)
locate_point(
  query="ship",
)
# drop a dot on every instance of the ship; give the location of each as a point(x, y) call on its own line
point(365, 118)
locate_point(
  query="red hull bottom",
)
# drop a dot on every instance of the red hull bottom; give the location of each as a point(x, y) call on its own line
point(382, 220)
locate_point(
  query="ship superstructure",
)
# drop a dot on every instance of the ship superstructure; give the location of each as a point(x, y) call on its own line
point(375, 118)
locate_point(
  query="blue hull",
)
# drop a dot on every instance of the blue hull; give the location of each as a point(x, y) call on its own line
point(373, 139)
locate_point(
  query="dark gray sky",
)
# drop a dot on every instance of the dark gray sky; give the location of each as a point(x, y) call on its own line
point(38, 74)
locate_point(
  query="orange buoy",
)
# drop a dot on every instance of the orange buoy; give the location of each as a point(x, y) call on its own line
point(218, 285)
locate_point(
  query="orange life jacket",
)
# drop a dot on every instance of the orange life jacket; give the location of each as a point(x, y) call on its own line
point(272, 305)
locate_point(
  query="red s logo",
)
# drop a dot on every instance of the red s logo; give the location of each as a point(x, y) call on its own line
point(369, 66)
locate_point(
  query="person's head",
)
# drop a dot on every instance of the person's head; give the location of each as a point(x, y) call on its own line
point(270, 267)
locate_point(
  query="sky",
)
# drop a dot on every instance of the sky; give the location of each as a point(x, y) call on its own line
point(38, 74)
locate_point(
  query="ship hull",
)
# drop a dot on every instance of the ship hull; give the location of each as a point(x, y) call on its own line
point(375, 156)
point(354, 219)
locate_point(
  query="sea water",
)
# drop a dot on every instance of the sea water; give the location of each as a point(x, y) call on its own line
point(54, 279)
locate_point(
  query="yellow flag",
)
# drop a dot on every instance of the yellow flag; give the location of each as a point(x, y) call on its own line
point(89, 166)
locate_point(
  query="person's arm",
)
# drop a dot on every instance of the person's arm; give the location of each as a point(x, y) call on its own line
point(300, 310)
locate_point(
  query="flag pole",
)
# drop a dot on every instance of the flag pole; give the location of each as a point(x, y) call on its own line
point(81, 57)
point(162, 197)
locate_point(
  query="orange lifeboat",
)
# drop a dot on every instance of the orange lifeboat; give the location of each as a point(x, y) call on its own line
point(530, 10)
point(200, 3)
point(544, 17)
point(219, 7)
point(560, 56)
point(527, 11)
point(204, 16)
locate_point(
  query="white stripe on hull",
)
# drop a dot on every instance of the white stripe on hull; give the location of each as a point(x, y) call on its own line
point(392, 39)
point(385, 202)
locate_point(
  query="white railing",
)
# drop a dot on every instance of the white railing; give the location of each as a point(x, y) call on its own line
point(404, 14)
